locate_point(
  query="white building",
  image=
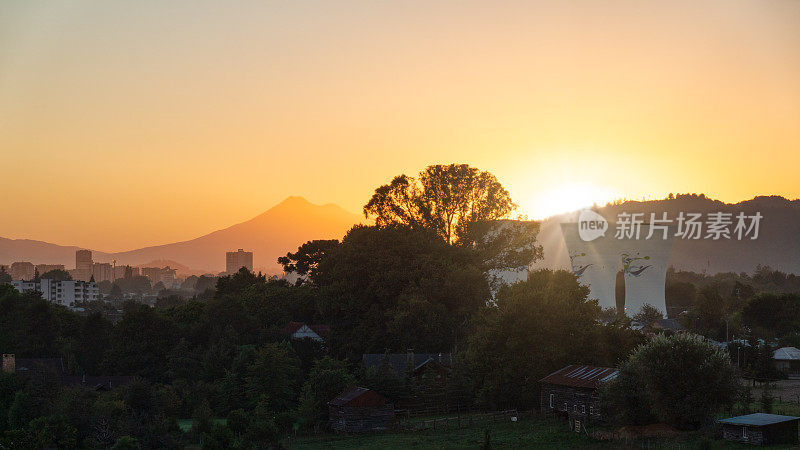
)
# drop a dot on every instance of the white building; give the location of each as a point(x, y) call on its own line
point(64, 293)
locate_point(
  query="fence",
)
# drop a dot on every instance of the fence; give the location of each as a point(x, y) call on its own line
point(413, 421)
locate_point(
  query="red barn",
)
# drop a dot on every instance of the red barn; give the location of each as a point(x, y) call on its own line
point(360, 410)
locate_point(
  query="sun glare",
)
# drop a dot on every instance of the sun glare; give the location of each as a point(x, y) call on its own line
point(568, 198)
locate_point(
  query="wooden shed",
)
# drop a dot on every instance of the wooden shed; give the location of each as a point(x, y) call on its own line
point(360, 410)
point(787, 359)
point(572, 393)
point(761, 429)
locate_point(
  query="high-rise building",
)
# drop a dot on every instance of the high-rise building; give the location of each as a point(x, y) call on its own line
point(83, 265)
point(22, 271)
point(238, 259)
point(102, 272)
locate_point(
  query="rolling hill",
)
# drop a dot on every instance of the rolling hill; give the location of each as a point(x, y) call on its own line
point(777, 246)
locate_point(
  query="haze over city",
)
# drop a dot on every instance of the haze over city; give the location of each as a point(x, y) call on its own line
point(169, 121)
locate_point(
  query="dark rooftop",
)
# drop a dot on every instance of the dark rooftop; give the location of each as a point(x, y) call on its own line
point(581, 376)
point(758, 419)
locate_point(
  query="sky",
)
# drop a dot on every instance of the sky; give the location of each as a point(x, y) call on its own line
point(125, 124)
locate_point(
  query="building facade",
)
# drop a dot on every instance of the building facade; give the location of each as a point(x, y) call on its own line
point(125, 272)
point(360, 410)
point(238, 259)
point(102, 272)
point(65, 293)
point(22, 271)
point(572, 393)
point(83, 265)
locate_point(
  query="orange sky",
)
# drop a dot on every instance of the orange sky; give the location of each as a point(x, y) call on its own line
point(124, 124)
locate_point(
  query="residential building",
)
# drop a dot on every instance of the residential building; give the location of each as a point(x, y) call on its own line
point(787, 359)
point(571, 392)
point(761, 429)
point(238, 259)
point(65, 293)
point(360, 410)
point(102, 272)
point(83, 265)
point(125, 272)
point(299, 330)
point(22, 271)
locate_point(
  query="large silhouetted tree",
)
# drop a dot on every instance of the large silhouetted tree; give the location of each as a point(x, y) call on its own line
point(464, 206)
point(447, 199)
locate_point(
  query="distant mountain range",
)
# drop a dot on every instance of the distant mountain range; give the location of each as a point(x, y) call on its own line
point(280, 229)
point(778, 243)
point(294, 221)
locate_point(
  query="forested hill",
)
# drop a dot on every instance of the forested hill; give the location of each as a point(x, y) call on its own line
point(777, 246)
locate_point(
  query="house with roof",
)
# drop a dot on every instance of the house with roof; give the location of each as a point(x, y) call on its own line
point(300, 330)
point(761, 429)
point(571, 392)
point(417, 365)
point(787, 360)
point(360, 410)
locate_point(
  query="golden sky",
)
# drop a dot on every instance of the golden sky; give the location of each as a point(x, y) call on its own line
point(124, 124)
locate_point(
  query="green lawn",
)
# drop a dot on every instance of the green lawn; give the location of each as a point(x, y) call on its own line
point(526, 433)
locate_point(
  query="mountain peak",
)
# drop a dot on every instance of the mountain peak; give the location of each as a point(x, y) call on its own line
point(294, 200)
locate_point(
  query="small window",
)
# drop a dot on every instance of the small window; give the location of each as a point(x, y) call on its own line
point(583, 409)
point(565, 407)
point(591, 409)
point(552, 396)
point(744, 432)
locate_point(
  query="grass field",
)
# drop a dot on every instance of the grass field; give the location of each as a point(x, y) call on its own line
point(526, 433)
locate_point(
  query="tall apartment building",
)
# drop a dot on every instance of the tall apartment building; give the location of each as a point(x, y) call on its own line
point(22, 271)
point(83, 265)
point(65, 293)
point(238, 259)
point(102, 272)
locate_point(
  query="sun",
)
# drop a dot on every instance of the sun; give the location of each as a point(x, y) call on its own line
point(567, 198)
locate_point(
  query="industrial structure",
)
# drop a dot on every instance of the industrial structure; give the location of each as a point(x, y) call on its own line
point(642, 260)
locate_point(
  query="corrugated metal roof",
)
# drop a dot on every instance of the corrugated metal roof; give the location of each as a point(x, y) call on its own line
point(581, 376)
point(787, 353)
point(758, 419)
